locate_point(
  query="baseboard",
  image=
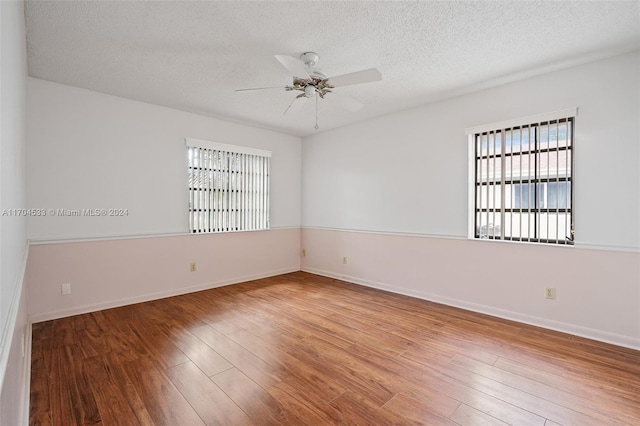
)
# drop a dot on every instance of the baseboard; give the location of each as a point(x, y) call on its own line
point(589, 333)
point(27, 377)
point(154, 296)
point(8, 330)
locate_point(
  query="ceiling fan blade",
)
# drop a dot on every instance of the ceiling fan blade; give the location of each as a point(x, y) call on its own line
point(293, 65)
point(295, 105)
point(345, 102)
point(259, 88)
point(364, 76)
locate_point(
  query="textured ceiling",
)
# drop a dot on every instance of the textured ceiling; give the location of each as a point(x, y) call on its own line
point(193, 55)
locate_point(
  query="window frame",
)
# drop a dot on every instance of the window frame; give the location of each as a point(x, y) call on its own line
point(233, 189)
point(502, 179)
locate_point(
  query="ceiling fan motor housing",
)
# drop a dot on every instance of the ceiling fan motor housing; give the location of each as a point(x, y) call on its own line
point(313, 72)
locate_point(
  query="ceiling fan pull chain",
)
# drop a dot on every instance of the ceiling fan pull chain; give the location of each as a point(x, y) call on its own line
point(317, 112)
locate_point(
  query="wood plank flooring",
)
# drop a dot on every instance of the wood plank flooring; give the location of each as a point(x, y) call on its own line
point(300, 349)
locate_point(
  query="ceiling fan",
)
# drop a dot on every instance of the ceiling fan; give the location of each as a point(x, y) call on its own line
point(313, 83)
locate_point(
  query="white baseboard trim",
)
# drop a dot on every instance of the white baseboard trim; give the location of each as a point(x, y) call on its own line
point(589, 333)
point(25, 400)
point(154, 296)
point(6, 338)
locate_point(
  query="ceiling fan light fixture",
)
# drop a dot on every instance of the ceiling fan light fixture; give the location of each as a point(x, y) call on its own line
point(309, 91)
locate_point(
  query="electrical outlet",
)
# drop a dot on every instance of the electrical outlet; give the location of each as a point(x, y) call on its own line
point(65, 289)
point(550, 292)
point(344, 260)
point(192, 267)
point(304, 252)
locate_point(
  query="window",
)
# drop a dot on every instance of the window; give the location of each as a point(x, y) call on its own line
point(522, 179)
point(228, 187)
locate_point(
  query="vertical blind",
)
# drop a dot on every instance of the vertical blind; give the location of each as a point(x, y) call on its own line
point(523, 188)
point(228, 187)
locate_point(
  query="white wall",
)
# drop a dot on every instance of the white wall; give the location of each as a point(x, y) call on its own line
point(89, 150)
point(14, 330)
point(406, 173)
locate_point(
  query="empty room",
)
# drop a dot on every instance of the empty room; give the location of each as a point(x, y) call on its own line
point(319, 213)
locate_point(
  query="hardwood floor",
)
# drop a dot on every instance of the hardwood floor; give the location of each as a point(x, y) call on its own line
point(303, 349)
